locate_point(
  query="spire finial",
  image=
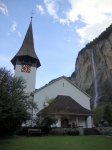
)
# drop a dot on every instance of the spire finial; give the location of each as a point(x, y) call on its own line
point(32, 14)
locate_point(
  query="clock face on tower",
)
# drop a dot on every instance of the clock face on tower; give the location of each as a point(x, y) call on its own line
point(25, 68)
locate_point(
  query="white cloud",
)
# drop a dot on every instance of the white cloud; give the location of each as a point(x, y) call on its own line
point(90, 16)
point(14, 25)
point(89, 32)
point(51, 8)
point(3, 9)
point(90, 12)
point(95, 14)
point(13, 29)
point(40, 9)
point(19, 34)
point(63, 21)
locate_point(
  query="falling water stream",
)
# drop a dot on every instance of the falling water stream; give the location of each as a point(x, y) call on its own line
point(95, 80)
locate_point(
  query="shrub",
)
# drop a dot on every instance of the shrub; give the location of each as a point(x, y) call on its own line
point(72, 132)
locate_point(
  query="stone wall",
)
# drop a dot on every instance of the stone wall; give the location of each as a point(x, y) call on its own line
point(105, 130)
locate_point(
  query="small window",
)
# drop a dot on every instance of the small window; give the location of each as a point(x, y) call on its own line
point(63, 84)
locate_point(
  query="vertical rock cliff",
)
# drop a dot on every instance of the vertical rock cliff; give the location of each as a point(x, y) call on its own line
point(93, 68)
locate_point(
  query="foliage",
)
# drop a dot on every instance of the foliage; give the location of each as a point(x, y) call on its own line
point(22, 131)
point(14, 102)
point(72, 132)
point(47, 102)
point(46, 119)
point(108, 113)
point(45, 122)
point(99, 114)
point(103, 113)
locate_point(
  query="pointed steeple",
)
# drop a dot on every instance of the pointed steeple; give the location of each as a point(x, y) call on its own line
point(27, 49)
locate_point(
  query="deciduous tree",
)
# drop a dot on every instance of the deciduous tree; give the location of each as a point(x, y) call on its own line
point(14, 102)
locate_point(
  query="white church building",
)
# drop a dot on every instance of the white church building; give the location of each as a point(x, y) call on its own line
point(67, 97)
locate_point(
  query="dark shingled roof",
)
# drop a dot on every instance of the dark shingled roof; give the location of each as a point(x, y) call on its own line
point(65, 104)
point(27, 48)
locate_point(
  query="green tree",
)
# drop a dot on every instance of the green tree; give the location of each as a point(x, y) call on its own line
point(108, 113)
point(103, 113)
point(49, 115)
point(45, 119)
point(47, 102)
point(15, 104)
point(45, 122)
point(99, 114)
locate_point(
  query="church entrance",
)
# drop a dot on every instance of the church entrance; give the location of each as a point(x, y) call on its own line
point(64, 123)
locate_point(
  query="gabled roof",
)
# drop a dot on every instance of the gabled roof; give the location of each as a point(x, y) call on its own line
point(27, 48)
point(65, 105)
point(55, 80)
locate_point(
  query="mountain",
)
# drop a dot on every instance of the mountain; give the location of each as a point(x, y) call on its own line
point(93, 68)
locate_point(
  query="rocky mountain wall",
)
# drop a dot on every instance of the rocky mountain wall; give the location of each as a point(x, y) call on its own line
point(93, 69)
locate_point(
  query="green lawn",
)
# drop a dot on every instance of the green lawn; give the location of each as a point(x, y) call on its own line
point(57, 143)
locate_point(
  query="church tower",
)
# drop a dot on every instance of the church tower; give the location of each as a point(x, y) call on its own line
point(26, 62)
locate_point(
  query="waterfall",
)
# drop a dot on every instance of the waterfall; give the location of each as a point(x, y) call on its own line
point(95, 80)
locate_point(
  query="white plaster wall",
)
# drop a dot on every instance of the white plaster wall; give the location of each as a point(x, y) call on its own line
point(30, 78)
point(81, 122)
point(58, 123)
point(57, 88)
point(89, 122)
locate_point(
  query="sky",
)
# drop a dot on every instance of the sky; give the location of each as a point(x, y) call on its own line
point(61, 28)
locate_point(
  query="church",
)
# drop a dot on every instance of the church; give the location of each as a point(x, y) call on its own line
point(66, 97)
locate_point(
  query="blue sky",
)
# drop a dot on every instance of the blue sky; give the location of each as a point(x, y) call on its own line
point(61, 28)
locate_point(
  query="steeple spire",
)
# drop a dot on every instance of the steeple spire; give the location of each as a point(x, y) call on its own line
point(27, 48)
point(32, 15)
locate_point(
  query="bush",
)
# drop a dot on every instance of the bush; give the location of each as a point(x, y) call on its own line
point(45, 123)
point(72, 132)
point(22, 131)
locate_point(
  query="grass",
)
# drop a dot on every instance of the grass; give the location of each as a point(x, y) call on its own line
point(57, 143)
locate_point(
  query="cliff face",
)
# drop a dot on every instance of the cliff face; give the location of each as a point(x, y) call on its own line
point(93, 69)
